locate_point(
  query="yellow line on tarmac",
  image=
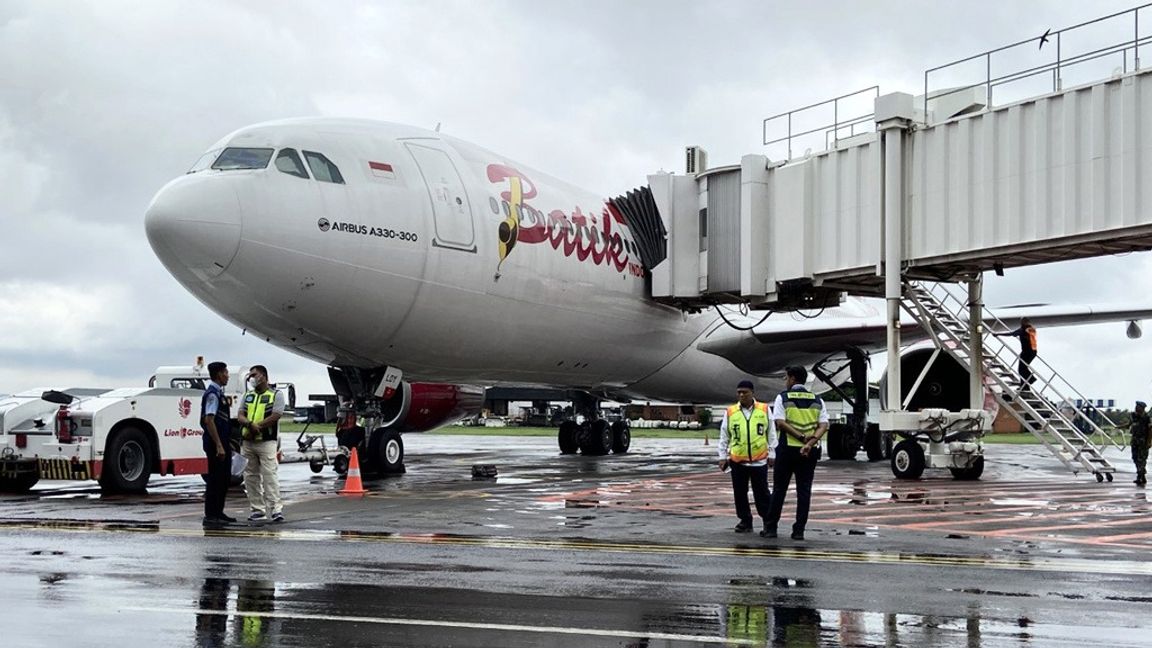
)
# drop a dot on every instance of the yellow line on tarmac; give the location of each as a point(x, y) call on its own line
point(805, 554)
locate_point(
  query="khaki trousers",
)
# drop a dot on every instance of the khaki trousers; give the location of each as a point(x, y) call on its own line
point(261, 481)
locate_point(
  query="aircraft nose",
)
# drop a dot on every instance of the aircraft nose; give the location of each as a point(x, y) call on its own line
point(193, 225)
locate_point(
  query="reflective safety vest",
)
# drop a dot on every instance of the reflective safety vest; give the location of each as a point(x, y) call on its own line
point(802, 411)
point(748, 437)
point(257, 407)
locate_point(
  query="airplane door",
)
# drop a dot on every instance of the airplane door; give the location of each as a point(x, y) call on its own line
point(451, 211)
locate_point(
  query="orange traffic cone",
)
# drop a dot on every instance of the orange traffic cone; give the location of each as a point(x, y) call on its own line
point(352, 483)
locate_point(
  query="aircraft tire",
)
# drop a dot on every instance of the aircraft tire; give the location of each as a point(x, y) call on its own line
point(908, 459)
point(598, 440)
point(877, 444)
point(127, 462)
point(387, 447)
point(566, 436)
point(840, 442)
point(18, 485)
point(971, 473)
point(621, 437)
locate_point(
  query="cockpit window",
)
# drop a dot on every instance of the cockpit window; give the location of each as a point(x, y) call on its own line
point(289, 162)
point(322, 168)
point(243, 158)
point(204, 161)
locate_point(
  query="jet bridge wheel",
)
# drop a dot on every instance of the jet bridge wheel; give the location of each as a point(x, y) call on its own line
point(19, 484)
point(970, 473)
point(908, 459)
point(598, 439)
point(841, 445)
point(127, 462)
point(567, 437)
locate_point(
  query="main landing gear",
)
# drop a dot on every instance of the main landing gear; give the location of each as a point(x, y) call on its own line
point(595, 436)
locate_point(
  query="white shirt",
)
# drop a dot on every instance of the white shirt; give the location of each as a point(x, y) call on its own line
point(722, 448)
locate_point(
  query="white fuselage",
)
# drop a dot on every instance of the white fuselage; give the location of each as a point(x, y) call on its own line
point(401, 264)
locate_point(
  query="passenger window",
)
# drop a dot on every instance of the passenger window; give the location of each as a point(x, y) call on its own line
point(322, 168)
point(289, 162)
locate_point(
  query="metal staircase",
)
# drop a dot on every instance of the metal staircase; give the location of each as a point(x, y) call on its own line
point(1047, 409)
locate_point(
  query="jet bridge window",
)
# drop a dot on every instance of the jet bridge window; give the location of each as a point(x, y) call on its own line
point(289, 162)
point(234, 158)
point(322, 168)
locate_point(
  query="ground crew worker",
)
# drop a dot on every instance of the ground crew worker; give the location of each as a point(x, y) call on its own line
point(1027, 335)
point(801, 420)
point(746, 440)
point(1139, 427)
point(259, 421)
point(216, 419)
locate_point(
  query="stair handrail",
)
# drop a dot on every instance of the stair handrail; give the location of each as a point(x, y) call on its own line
point(1045, 374)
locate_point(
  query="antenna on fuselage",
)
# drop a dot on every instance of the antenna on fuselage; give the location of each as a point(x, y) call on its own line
point(437, 127)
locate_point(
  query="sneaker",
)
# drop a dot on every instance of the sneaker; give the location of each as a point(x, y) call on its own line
point(797, 535)
point(768, 533)
point(743, 527)
point(256, 516)
point(277, 517)
point(228, 519)
point(212, 521)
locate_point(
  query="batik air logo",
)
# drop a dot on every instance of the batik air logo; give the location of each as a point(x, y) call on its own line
point(602, 240)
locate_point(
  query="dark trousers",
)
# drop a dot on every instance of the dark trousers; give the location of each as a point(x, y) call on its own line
point(789, 463)
point(216, 486)
point(1140, 456)
point(758, 476)
point(1024, 367)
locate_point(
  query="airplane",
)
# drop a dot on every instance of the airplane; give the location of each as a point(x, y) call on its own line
point(420, 268)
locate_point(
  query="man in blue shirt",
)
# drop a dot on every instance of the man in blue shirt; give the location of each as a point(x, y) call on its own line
point(216, 419)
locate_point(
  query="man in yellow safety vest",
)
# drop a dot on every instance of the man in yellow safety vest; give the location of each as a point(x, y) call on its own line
point(802, 420)
point(259, 419)
point(746, 440)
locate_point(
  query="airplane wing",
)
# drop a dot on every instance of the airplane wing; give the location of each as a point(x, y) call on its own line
point(792, 339)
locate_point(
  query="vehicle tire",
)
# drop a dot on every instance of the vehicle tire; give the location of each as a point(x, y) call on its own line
point(841, 445)
point(621, 437)
point(598, 440)
point(340, 464)
point(316, 467)
point(127, 462)
point(21, 484)
point(908, 459)
point(566, 435)
point(877, 444)
point(970, 473)
point(387, 448)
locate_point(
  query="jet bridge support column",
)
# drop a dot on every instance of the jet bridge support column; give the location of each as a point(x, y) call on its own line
point(894, 114)
point(976, 342)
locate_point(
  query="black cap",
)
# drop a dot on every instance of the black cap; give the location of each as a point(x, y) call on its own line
point(746, 384)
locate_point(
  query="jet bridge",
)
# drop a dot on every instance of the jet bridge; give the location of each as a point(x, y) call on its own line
point(939, 187)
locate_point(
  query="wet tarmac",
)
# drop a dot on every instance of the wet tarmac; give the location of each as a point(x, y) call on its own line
point(633, 550)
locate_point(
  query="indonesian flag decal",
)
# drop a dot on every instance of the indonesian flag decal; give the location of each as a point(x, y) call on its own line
point(382, 170)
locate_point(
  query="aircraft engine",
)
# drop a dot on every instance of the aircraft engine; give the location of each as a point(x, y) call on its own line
point(1134, 331)
point(419, 407)
point(946, 384)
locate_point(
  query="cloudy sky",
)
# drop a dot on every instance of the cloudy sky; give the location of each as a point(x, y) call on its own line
point(101, 103)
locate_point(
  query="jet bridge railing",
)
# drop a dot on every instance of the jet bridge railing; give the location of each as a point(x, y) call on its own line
point(1126, 51)
point(831, 130)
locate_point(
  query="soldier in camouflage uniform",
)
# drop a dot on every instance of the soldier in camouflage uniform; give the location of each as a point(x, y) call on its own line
point(1139, 428)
